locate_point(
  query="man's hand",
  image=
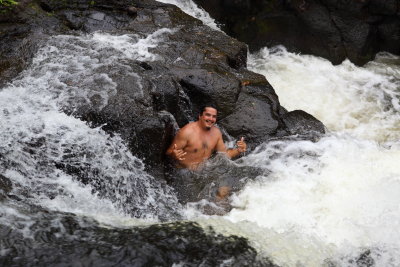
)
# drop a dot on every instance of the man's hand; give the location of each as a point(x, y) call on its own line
point(241, 145)
point(178, 153)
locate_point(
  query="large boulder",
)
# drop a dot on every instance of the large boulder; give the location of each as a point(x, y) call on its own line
point(299, 122)
point(77, 241)
point(152, 98)
point(328, 28)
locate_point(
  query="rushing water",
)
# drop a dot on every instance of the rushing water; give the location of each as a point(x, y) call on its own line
point(337, 198)
point(346, 198)
point(38, 141)
point(324, 201)
point(189, 7)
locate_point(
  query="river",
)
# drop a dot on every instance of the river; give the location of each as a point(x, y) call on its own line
point(346, 199)
point(324, 202)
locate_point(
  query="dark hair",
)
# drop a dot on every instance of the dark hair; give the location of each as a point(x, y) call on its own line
point(208, 105)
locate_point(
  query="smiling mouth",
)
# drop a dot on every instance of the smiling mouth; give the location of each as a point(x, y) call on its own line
point(209, 124)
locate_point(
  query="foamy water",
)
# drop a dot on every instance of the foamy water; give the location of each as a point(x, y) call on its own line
point(331, 199)
point(345, 98)
point(193, 10)
point(38, 142)
point(339, 195)
point(335, 198)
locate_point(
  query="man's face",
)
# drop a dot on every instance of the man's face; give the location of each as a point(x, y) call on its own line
point(208, 118)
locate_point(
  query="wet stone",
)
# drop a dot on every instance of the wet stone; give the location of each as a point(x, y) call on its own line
point(97, 16)
point(5, 186)
point(83, 240)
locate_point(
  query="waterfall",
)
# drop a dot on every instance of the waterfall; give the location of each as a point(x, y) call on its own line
point(337, 198)
point(319, 203)
point(58, 161)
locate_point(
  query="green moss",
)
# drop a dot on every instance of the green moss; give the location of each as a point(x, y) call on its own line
point(8, 3)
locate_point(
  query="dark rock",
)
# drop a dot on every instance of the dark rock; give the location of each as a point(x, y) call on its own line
point(365, 258)
point(22, 30)
point(386, 7)
point(132, 11)
point(389, 33)
point(198, 65)
point(251, 111)
point(149, 100)
point(332, 29)
point(5, 187)
point(299, 122)
point(73, 241)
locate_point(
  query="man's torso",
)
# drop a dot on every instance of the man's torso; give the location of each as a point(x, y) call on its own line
point(200, 145)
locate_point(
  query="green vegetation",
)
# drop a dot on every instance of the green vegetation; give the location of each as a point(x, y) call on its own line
point(8, 3)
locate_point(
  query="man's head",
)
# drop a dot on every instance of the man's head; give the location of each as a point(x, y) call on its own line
point(208, 116)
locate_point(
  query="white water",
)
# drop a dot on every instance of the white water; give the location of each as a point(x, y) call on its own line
point(329, 199)
point(190, 8)
point(346, 98)
point(339, 196)
point(37, 137)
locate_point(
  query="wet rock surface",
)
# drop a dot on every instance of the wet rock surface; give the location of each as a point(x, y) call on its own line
point(5, 187)
point(66, 240)
point(147, 102)
point(335, 30)
point(302, 123)
point(198, 65)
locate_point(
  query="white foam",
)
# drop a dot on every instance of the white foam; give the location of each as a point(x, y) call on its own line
point(335, 198)
point(38, 140)
point(360, 101)
point(339, 194)
point(190, 8)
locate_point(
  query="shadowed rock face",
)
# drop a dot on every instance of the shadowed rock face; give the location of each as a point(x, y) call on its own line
point(333, 29)
point(73, 241)
point(197, 65)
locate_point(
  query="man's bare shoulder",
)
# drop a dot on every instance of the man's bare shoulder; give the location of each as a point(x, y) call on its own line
point(216, 130)
point(187, 129)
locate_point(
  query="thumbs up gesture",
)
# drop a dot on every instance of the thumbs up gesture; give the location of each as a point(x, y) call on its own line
point(241, 145)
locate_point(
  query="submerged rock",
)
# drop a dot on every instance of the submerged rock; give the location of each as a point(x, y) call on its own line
point(301, 123)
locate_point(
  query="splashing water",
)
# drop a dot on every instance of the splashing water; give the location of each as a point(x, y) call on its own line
point(57, 161)
point(362, 101)
point(190, 8)
point(338, 196)
point(325, 201)
point(330, 201)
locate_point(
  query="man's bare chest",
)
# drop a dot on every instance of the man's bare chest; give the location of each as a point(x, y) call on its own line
point(201, 144)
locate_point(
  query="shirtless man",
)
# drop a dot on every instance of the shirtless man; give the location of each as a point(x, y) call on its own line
point(198, 140)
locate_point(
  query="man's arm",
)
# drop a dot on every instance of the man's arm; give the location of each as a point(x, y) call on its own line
point(241, 147)
point(175, 150)
point(234, 152)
